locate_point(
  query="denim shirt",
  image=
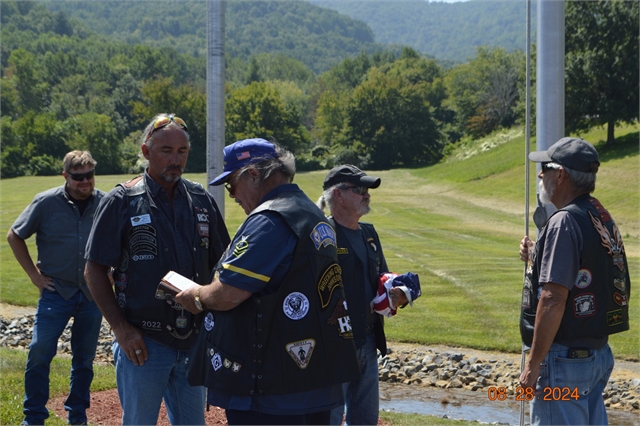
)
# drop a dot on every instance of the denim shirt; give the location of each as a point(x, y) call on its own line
point(61, 236)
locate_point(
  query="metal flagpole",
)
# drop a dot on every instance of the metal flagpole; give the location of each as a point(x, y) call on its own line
point(527, 138)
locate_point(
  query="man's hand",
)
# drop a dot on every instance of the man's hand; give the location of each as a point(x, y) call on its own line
point(132, 343)
point(526, 249)
point(42, 282)
point(529, 376)
point(398, 297)
point(187, 297)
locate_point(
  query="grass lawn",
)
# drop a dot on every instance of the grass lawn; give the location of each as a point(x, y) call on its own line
point(457, 224)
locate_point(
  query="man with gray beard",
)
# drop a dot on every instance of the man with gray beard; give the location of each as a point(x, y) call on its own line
point(576, 292)
point(346, 194)
point(144, 228)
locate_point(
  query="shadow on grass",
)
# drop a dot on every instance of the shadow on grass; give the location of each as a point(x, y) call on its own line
point(624, 146)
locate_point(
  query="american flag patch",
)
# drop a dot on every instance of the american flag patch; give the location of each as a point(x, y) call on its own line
point(243, 155)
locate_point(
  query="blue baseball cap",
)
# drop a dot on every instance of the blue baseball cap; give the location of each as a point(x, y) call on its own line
point(242, 153)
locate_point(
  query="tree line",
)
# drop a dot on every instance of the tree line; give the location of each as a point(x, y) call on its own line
point(65, 87)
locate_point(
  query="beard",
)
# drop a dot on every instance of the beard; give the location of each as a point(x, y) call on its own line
point(363, 209)
point(165, 176)
point(546, 194)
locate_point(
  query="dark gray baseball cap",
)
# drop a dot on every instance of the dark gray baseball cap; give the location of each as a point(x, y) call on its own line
point(348, 173)
point(573, 153)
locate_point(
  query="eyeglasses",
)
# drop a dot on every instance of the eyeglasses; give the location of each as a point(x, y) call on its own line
point(548, 166)
point(360, 190)
point(164, 121)
point(228, 187)
point(82, 176)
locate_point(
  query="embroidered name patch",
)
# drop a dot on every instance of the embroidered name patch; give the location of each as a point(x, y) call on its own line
point(143, 243)
point(140, 220)
point(323, 235)
point(584, 278)
point(330, 280)
point(301, 351)
point(295, 306)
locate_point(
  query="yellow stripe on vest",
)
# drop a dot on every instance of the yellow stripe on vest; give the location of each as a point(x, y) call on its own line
point(246, 272)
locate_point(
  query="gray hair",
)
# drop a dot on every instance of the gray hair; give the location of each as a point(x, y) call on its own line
point(582, 181)
point(326, 199)
point(149, 129)
point(267, 165)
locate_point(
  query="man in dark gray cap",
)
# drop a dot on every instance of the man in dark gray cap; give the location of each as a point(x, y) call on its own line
point(346, 193)
point(576, 292)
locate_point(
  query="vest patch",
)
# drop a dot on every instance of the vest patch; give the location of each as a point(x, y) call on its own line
point(295, 305)
point(323, 235)
point(614, 317)
point(203, 229)
point(209, 321)
point(301, 351)
point(372, 244)
point(620, 299)
point(584, 305)
point(584, 278)
point(142, 242)
point(330, 280)
point(340, 317)
point(216, 362)
point(614, 245)
point(227, 363)
point(241, 246)
point(235, 367)
point(620, 284)
point(343, 250)
point(140, 220)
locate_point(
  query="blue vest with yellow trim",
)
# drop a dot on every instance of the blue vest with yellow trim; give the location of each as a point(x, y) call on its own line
point(294, 340)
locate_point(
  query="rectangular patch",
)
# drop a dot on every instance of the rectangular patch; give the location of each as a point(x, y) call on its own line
point(140, 220)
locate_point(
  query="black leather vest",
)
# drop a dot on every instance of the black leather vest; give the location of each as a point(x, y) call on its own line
point(146, 260)
point(294, 340)
point(598, 303)
point(353, 272)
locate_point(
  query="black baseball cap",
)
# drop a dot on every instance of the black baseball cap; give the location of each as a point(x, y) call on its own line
point(348, 173)
point(573, 153)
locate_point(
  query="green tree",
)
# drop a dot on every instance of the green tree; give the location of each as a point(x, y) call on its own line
point(258, 110)
point(601, 64)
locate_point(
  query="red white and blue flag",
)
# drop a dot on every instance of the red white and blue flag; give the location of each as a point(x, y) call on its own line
point(243, 155)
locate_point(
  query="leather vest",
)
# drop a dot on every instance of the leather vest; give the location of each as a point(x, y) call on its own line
point(294, 340)
point(598, 303)
point(353, 272)
point(145, 261)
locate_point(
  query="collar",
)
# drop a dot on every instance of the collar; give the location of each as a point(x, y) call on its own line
point(279, 190)
point(155, 188)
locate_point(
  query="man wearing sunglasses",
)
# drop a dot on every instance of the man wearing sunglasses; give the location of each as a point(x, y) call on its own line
point(346, 194)
point(61, 218)
point(575, 294)
point(144, 228)
point(276, 342)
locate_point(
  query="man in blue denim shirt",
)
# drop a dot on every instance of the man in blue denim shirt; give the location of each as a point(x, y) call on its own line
point(61, 218)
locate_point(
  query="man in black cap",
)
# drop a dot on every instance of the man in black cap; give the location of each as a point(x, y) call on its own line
point(576, 292)
point(346, 193)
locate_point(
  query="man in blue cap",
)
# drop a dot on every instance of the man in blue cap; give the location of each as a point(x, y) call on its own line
point(576, 292)
point(276, 341)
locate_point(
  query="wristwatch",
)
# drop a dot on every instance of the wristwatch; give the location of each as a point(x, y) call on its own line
point(197, 299)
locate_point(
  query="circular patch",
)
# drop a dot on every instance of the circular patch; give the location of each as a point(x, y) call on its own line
point(584, 278)
point(208, 321)
point(295, 305)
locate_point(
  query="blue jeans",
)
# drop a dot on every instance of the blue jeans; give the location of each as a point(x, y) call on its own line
point(52, 316)
point(164, 375)
point(588, 375)
point(361, 397)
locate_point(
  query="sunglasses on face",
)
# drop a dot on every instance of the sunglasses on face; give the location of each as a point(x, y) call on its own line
point(360, 190)
point(164, 121)
point(82, 176)
point(547, 166)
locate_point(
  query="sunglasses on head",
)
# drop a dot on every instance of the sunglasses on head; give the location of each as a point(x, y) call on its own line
point(164, 121)
point(360, 190)
point(82, 176)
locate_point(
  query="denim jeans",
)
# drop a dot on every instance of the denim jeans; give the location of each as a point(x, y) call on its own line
point(362, 396)
point(52, 315)
point(164, 375)
point(589, 375)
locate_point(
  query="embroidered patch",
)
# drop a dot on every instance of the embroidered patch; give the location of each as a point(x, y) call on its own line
point(241, 246)
point(614, 317)
point(216, 362)
point(584, 305)
point(604, 214)
point(330, 280)
point(341, 318)
point(203, 229)
point(227, 363)
point(209, 321)
point(323, 235)
point(343, 250)
point(584, 278)
point(620, 299)
point(372, 244)
point(143, 243)
point(620, 284)
point(122, 300)
point(301, 351)
point(614, 245)
point(211, 352)
point(236, 367)
point(526, 298)
point(295, 306)
point(204, 242)
point(140, 220)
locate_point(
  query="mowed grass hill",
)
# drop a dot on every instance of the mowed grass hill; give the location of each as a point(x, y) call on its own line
point(457, 224)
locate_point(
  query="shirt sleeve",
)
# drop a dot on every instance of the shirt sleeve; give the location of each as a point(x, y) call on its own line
point(104, 245)
point(29, 220)
point(561, 254)
point(261, 251)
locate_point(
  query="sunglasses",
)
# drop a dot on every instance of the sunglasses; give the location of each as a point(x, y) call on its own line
point(82, 176)
point(164, 121)
point(360, 190)
point(547, 166)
